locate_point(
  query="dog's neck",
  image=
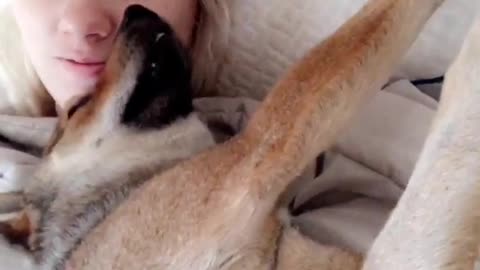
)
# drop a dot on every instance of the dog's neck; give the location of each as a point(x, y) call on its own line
point(127, 148)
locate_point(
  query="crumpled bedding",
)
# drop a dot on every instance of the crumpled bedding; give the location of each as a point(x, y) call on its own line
point(363, 175)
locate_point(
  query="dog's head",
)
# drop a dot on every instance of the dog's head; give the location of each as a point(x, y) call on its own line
point(146, 83)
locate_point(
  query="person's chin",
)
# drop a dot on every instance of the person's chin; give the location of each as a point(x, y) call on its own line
point(78, 82)
point(68, 86)
point(67, 92)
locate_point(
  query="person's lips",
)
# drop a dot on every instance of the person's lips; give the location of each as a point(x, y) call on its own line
point(84, 68)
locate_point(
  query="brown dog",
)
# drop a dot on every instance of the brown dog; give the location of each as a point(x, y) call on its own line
point(119, 191)
point(218, 209)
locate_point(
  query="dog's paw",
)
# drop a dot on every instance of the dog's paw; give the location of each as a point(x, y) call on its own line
point(14, 257)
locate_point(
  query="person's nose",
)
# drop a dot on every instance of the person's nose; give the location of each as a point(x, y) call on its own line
point(86, 22)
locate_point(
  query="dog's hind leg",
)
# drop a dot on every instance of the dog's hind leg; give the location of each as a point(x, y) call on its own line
point(436, 224)
point(306, 111)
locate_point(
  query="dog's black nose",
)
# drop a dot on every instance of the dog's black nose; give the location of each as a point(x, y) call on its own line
point(135, 13)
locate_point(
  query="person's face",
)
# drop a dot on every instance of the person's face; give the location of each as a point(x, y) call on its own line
point(68, 41)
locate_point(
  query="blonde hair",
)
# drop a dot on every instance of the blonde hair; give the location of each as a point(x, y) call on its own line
point(22, 93)
point(210, 45)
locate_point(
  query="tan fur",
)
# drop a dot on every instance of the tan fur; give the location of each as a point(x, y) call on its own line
point(218, 209)
point(300, 253)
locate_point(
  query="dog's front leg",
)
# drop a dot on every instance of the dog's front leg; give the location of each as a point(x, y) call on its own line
point(436, 224)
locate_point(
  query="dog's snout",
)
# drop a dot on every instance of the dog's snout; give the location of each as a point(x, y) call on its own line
point(137, 13)
point(142, 27)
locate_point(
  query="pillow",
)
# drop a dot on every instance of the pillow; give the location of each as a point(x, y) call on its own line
point(267, 36)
